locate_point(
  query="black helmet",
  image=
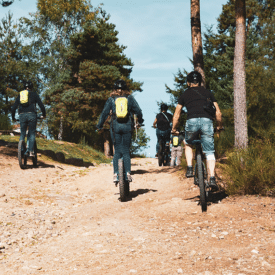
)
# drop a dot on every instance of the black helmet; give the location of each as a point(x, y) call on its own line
point(194, 77)
point(163, 107)
point(28, 85)
point(120, 84)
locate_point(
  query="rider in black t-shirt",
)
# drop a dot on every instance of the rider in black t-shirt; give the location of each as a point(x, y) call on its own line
point(198, 120)
point(163, 125)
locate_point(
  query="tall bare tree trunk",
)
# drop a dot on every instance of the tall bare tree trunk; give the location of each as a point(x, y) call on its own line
point(240, 116)
point(196, 38)
point(107, 148)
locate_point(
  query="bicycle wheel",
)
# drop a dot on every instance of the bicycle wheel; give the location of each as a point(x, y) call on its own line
point(21, 154)
point(121, 181)
point(203, 198)
point(160, 154)
point(34, 159)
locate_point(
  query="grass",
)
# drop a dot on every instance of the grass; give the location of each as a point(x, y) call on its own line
point(70, 150)
point(251, 171)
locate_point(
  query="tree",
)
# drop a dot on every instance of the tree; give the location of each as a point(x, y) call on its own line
point(139, 141)
point(16, 63)
point(240, 115)
point(196, 38)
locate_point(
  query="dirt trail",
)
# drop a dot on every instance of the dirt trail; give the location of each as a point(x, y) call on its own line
point(59, 219)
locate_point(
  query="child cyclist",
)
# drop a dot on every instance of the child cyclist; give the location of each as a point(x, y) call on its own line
point(176, 152)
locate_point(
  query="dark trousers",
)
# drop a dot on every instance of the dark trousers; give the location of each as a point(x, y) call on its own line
point(162, 135)
point(28, 119)
point(121, 138)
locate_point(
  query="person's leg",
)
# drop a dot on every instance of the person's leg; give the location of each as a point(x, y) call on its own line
point(126, 143)
point(179, 155)
point(32, 121)
point(23, 126)
point(158, 139)
point(173, 156)
point(207, 138)
point(189, 154)
point(118, 153)
point(191, 128)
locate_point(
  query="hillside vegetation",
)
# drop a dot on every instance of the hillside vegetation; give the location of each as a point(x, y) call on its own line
point(70, 150)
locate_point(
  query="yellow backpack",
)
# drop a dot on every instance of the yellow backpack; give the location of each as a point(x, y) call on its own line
point(175, 141)
point(24, 98)
point(121, 107)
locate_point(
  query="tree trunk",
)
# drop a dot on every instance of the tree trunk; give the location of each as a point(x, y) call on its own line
point(240, 117)
point(196, 38)
point(60, 134)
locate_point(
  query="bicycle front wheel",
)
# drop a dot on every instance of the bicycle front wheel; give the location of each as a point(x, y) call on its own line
point(200, 179)
point(21, 154)
point(160, 154)
point(122, 183)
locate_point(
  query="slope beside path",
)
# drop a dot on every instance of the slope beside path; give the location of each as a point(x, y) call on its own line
point(59, 219)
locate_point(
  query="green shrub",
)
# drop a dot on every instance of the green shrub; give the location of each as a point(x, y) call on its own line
point(5, 122)
point(251, 171)
point(225, 142)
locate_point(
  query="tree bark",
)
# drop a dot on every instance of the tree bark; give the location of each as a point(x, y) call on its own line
point(196, 39)
point(107, 148)
point(240, 116)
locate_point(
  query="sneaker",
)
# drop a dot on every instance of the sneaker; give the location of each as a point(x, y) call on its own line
point(32, 154)
point(129, 177)
point(213, 184)
point(115, 178)
point(189, 172)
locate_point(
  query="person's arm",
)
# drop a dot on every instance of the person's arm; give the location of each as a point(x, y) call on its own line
point(136, 109)
point(105, 113)
point(40, 104)
point(176, 118)
point(218, 116)
point(14, 107)
point(155, 123)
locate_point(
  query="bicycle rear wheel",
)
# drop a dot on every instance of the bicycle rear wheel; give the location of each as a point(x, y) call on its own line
point(200, 180)
point(123, 187)
point(34, 159)
point(21, 154)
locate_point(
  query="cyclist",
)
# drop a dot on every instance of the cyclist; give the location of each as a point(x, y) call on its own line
point(176, 152)
point(121, 130)
point(28, 115)
point(163, 125)
point(198, 119)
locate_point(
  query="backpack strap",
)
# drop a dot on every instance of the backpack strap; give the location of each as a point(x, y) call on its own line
point(166, 117)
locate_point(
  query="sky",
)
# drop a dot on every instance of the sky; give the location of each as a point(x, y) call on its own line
point(157, 34)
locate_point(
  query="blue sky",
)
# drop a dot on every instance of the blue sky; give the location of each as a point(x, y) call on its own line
point(157, 34)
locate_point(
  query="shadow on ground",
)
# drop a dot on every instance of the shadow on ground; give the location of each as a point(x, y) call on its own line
point(215, 197)
point(165, 169)
point(135, 193)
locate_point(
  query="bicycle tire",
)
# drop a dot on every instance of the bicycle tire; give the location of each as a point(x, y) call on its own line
point(121, 181)
point(203, 198)
point(22, 159)
point(34, 159)
point(160, 154)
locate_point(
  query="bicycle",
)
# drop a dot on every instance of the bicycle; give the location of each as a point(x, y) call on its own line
point(22, 149)
point(124, 185)
point(164, 151)
point(200, 171)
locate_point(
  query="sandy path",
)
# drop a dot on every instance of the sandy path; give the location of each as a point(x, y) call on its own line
point(60, 219)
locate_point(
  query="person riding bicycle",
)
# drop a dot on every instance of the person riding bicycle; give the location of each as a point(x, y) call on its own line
point(198, 120)
point(121, 128)
point(176, 152)
point(26, 101)
point(162, 124)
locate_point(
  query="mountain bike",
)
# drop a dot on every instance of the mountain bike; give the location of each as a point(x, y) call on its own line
point(22, 149)
point(164, 153)
point(200, 171)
